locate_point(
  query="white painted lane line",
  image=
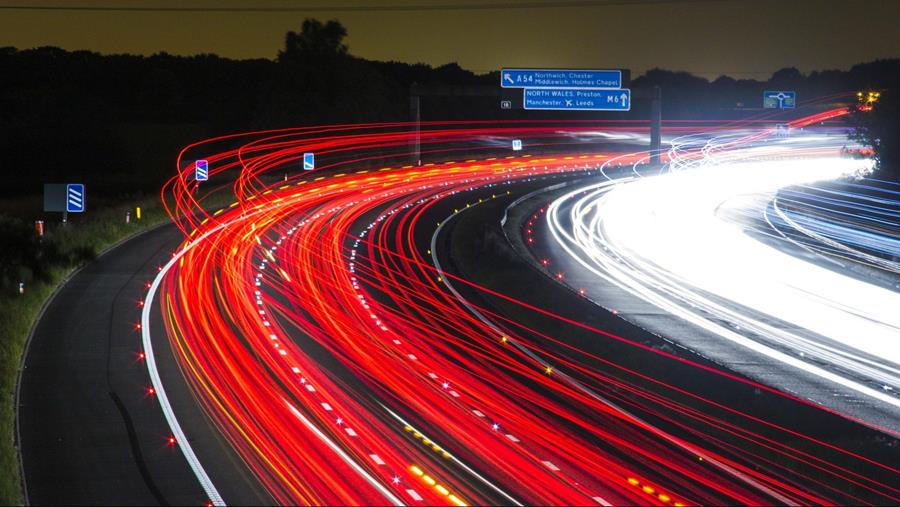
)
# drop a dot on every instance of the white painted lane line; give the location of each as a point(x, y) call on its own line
point(343, 455)
point(551, 466)
point(183, 442)
point(601, 501)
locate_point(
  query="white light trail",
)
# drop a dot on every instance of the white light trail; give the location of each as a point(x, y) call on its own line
point(668, 239)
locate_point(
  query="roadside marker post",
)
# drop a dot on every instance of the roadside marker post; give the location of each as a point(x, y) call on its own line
point(75, 198)
point(201, 170)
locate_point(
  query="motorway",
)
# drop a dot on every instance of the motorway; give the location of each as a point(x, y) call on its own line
point(680, 243)
point(89, 430)
point(85, 409)
point(315, 342)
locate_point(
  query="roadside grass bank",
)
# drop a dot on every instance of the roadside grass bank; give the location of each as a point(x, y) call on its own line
point(44, 266)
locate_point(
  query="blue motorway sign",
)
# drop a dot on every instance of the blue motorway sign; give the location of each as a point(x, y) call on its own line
point(779, 99)
point(201, 170)
point(577, 99)
point(75, 197)
point(309, 161)
point(560, 78)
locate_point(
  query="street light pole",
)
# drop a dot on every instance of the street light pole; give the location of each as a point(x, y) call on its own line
point(655, 126)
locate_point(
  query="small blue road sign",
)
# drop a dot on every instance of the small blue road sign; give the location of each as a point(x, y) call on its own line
point(560, 78)
point(779, 99)
point(577, 99)
point(517, 145)
point(309, 161)
point(75, 197)
point(201, 170)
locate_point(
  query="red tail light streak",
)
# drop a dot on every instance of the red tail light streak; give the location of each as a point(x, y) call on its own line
point(332, 264)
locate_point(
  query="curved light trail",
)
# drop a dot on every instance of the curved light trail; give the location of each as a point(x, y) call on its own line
point(680, 241)
point(320, 339)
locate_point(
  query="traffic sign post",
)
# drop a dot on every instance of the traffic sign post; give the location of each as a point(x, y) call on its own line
point(577, 99)
point(75, 198)
point(517, 145)
point(309, 161)
point(201, 170)
point(779, 99)
point(560, 78)
point(580, 90)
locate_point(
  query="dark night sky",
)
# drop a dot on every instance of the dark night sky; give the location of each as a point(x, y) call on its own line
point(741, 38)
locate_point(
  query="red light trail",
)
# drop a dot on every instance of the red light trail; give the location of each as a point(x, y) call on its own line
point(320, 340)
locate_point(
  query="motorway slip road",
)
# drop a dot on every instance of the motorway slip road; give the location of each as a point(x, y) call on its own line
point(90, 432)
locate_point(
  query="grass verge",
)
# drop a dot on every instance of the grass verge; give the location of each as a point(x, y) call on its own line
point(75, 245)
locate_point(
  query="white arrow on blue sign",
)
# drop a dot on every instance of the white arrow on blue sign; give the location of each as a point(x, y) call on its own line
point(201, 170)
point(560, 78)
point(75, 197)
point(779, 99)
point(309, 161)
point(577, 99)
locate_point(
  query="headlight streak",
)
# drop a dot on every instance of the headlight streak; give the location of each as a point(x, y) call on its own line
point(333, 263)
point(867, 232)
point(623, 231)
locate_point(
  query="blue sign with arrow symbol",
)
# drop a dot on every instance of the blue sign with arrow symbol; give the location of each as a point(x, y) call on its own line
point(779, 99)
point(560, 78)
point(577, 99)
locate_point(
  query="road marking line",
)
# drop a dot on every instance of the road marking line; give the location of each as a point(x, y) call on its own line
point(353, 464)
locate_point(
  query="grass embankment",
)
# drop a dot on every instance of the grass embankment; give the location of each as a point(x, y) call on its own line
point(73, 246)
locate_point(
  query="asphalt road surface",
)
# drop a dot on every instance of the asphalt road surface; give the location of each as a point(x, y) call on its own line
point(90, 432)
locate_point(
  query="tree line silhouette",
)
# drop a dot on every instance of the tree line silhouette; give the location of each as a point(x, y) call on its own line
point(117, 121)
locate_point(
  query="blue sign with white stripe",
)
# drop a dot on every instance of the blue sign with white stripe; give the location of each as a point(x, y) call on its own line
point(577, 99)
point(201, 170)
point(75, 197)
point(560, 78)
point(309, 161)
